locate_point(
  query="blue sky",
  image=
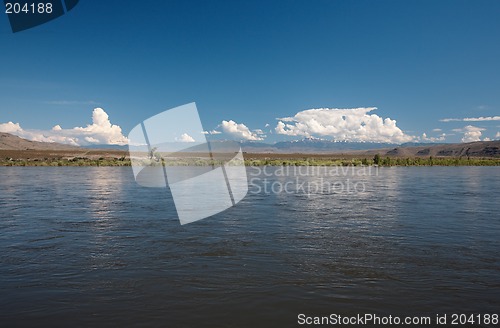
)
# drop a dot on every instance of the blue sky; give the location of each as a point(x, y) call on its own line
point(251, 62)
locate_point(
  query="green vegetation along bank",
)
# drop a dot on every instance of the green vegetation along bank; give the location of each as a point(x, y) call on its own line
point(304, 161)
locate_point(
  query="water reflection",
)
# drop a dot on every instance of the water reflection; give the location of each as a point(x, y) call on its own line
point(104, 188)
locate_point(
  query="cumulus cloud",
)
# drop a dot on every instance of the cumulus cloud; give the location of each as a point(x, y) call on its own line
point(211, 132)
point(10, 127)
point(101, 131)
point(239, 130)
point(91, 140)
point(471, 133)
point(497, 136)
point(185, 138)
point(472, 119)
point(260, 133)
point(36, 135)
point(441, 137)
point(350, 124)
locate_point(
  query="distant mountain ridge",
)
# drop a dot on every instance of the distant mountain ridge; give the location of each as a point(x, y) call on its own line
point(471, 149)
point(304, 146)
point(12, 142)
point(314, 145)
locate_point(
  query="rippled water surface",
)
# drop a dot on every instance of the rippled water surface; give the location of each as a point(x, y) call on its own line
point(87, 246)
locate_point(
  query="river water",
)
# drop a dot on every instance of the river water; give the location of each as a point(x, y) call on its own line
point(88, 246)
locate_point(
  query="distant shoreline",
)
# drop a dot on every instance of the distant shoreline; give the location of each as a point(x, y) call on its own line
point(120, 158)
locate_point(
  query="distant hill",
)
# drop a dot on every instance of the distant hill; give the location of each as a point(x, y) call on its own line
point(471, 149)
point(314, 145)
point(324, 147)
point(304, 146)
point(11, 142)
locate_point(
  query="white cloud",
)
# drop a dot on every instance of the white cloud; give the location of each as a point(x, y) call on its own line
point(472, 119)
point(10, 127)
point(436, 130)
point(471, 133)
point(211, 132)
point(441, 137)
point(481, 119)
point(239, 130)
point(36, 135)
point(497, 135)
point(287, 119)
point(101, 131)
point(260, 133)
point(185, 138)
point(91, 140)
point(351, 124)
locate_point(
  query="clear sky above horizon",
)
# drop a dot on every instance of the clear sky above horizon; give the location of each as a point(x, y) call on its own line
point(254, 68)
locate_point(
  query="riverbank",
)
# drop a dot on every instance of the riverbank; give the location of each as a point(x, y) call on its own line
point(120, 158)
